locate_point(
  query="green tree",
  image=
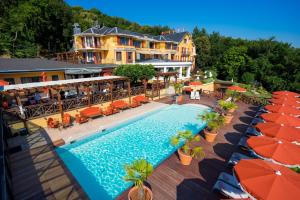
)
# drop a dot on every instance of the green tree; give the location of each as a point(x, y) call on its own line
point(234, 59)
point(136, 72)
point(248, 78)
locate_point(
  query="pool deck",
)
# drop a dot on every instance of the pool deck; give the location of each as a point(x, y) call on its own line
point(79, 131)
point(38, 172)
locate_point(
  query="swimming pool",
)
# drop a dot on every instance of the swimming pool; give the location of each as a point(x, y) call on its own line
point(97, 162)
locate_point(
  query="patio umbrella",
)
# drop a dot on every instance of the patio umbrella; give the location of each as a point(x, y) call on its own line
point(287, 133)
point(267, 181)
point(282, 109)
point(276, 96)
point(281, 118)
point(286, 93)
point(275, 150)
point(236, 88)
point(286, 102)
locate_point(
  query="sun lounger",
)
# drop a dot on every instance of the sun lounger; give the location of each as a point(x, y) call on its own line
point(228, 186)
point(120, 104)
point(141, 99)
point(235, 158)
point(80, 119)
point(135, 104)
point(243, 144)
point(110, 111)
point(251, 131)
point(91, 112)
point(256, 121)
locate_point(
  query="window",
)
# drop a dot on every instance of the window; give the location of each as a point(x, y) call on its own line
point(137, 44)
point(168, 45)
point(31, 79)
point(89, 42)
point(55, 78)
point(152, 45)
point(90, 57)
point(119, 56)
point(11, 81)
point(124, 41)
point(185, 41)
point(129, 55)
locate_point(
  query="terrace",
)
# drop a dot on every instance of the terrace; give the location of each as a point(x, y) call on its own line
point(38, 172)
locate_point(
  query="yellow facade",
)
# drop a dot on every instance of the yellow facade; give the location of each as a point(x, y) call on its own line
point(17, 77)
point(107, 49)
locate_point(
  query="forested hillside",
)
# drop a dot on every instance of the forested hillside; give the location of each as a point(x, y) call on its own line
point(30, 28)
point(272, 64)
point(33, 28)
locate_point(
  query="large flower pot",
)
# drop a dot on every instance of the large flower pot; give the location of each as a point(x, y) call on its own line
point(209, 137)
point(184, 159)
point(133, 194)
point(228, 118)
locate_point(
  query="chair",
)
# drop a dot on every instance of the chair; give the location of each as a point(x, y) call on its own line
point(66, 120)
point(120, 104)
point(235, 158)
point(228, 186)
point(193, 93)
point(110, 111)
point(141, 99)
point(91, 112)
point(197, 95)
point(80, 119)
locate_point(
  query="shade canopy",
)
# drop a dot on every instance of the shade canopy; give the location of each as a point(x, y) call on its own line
point(2, 83)
point(286, 93)
point(283, 109)
point(281, 118)
point(195, 83)
point(287, 133)
point(286, 101)
point(236, 88)
point(267, 181)
point(276, 150)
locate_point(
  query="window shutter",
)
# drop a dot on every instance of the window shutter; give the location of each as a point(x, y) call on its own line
point(118, 40)
point(82, 42)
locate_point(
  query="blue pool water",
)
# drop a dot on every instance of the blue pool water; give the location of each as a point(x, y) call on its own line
point(97, 162)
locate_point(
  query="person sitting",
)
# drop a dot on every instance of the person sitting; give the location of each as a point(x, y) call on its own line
point(37, 97)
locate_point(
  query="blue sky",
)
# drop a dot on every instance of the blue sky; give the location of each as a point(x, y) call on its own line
point(250, 19)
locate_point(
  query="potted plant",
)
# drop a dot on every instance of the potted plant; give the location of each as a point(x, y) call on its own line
point(137, 173)
point(228, 107)
point(187, 152)
point(214, 122)
point(178, 88)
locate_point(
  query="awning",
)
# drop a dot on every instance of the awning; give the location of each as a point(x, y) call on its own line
point(82, 71)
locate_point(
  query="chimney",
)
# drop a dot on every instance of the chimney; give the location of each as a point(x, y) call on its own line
point(76, 29)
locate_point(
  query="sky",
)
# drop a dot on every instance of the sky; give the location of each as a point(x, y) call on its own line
point(251, 19)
